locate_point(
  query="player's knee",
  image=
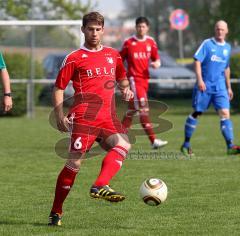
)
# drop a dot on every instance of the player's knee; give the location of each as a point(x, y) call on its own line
point(131, 112)
point(75, 160)
point(125, 145)
point(224, 114)
point(144, 111)
point(196, 114)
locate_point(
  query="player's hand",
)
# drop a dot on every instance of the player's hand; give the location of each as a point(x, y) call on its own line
point(155, 64)
point(230, 93)
point(127, 94)
point(7, 103)
point(63, 124)
point(201, 86)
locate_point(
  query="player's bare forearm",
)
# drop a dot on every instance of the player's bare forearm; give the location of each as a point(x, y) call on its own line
point(7, 100)
point(57, 98)
point(228, 83)
point(62, 121)
point(227, 76)
point(198, 71)
point(5, 81)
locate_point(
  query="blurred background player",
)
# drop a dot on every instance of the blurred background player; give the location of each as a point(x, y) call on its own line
point(7, 98)
point(213, 86)
point(138, 50)
point(94, 69)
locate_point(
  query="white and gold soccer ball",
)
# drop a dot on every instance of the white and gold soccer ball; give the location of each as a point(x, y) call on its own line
point(153, 191)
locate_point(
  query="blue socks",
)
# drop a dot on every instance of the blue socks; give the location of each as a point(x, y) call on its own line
point(227, 131)
point(190, 126)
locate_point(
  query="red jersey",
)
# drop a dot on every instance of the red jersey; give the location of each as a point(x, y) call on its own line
point(93, 74)
point(137, 53)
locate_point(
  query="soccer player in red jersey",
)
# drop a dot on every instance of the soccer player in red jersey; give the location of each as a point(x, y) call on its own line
point(138, 50)
point(93, 69)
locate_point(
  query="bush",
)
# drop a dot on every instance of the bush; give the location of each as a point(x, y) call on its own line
point(235, 66)
point(18, 66)
point(235, 73)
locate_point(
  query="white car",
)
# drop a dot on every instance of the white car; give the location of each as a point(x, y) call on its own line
point(170, 78)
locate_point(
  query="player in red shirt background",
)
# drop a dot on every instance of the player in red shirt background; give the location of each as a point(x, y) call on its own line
point(93, 69)
point(138, 50)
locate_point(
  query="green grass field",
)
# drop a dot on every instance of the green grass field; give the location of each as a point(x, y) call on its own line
point(203, 194)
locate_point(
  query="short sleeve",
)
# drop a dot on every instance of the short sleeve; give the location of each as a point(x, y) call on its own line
point(154, 52)
point(201, 52)
point(124, 51)
point(65, 73)
point(2, 62)
point(120, 70)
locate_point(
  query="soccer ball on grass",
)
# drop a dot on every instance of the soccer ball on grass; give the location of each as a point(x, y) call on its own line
point(153, 191)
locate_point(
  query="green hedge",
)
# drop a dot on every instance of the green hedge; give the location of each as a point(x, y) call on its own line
point(235, 66)
point(235, 73)
point(18, 66)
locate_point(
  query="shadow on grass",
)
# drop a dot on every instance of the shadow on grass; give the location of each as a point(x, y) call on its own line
point(11, 222)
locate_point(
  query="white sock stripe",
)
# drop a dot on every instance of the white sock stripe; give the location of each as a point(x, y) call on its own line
point(190, 117)
point(71, 168)
point(121, 152)
point(190, 125)
point(119, 162)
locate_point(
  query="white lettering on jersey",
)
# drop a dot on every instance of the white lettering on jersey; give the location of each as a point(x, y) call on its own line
point(89, 73)
point(100, 71)
point(141, 55)
point(105, 71)
point(217, 59)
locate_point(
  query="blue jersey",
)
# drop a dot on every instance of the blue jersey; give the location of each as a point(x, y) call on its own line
point(214, 58)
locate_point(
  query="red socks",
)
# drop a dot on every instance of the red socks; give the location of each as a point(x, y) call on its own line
point(147, 126)
point(127, 121)
point(111, 164)
point(64, 183)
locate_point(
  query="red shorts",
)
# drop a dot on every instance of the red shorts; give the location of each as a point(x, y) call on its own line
point(84, 133)
point(139, 86)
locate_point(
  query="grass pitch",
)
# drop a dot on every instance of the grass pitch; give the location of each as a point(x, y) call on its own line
point(203, 192)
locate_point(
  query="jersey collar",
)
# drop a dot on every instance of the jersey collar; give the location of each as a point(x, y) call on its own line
point(144, 38)
point(222, 44)
point(86, 49)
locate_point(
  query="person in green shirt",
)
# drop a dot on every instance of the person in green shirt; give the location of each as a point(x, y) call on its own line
point(7, 98)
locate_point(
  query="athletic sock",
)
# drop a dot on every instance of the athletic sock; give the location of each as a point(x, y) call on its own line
point(127, 121)
point(147, 126)
point(227, 131)
point(111, 164)
point(190, 126)
point(64, 183)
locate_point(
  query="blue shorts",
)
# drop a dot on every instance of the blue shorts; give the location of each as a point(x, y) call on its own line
point(202, 100)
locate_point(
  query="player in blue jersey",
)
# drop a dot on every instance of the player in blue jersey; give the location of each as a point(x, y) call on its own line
point(212, 87)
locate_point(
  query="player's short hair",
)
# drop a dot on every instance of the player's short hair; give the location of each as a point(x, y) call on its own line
point(142, 19)
point(93, 17)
